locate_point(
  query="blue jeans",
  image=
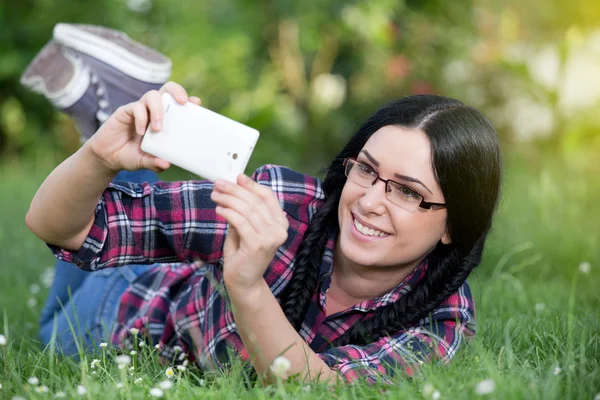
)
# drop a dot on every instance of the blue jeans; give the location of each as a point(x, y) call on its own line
point(81, 308)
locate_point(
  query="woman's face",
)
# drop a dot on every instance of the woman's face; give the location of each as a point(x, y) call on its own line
point(408, 237)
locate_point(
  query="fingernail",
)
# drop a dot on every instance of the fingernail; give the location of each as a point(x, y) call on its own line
point(220, 184)
point(156, 125)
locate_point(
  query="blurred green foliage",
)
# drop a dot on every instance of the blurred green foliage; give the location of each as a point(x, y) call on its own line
point(306, 74)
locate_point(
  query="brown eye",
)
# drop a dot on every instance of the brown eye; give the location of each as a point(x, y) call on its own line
point(406, 193)
point(364, 169)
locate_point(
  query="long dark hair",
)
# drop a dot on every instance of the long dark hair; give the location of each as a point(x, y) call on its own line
point(467, 164)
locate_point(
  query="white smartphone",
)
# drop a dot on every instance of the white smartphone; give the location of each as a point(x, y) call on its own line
point(201, 141)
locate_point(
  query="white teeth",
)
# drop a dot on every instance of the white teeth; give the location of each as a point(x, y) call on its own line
point(367, 231)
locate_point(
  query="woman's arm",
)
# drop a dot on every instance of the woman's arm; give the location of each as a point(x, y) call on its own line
point(258, 227)
point(267, 334)
point(62, 210)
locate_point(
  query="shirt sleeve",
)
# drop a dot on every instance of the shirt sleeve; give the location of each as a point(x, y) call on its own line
point(170, 222)
point(434, 339)
point(142, 223)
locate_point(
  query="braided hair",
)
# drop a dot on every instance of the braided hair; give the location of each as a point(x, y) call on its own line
point(467, 164)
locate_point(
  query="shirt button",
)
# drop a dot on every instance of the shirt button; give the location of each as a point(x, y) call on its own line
point(139, 188)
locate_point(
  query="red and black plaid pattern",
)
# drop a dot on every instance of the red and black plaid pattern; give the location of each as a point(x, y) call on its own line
point(181, 302)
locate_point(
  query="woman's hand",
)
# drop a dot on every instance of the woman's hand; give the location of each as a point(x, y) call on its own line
point(257, 228)
point(117, 143)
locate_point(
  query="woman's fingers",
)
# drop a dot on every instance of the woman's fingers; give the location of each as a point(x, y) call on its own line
point(265, 194)
point(153, 101)
point(239, 223)
point(267, 209)
point(258, 218)
point(140, 116)
point(175, 90)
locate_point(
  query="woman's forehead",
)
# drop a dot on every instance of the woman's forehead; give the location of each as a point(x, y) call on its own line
point(401, 150)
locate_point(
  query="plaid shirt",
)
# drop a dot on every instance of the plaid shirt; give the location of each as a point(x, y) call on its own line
point(174, 223)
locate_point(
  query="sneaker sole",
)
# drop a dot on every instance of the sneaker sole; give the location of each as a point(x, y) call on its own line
point(111, 54)
point(70, 93)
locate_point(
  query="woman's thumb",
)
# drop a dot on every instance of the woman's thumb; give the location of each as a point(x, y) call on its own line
point(154, 163)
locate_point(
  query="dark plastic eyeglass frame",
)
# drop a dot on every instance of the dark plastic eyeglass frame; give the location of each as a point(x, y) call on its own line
point(423, 204)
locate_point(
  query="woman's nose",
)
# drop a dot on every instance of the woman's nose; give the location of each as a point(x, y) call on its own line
point(373, 201)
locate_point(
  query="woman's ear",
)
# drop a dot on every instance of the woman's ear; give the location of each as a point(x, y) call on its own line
point(446, 238)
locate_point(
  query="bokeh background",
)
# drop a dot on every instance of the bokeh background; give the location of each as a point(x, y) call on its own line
point(306, 74)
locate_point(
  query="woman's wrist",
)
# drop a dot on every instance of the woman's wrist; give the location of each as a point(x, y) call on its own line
point(98, 164)
point(249, 297)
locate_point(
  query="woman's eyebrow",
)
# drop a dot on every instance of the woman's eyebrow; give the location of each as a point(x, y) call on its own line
point(403, 177)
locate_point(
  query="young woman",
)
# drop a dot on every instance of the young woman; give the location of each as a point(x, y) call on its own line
point(359, 275)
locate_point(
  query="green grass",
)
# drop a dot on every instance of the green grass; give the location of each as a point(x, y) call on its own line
point(547, 225)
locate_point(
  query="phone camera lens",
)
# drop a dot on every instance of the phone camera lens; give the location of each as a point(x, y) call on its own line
point(235, 156)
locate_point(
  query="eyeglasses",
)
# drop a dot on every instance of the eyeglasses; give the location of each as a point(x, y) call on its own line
point(399, 194)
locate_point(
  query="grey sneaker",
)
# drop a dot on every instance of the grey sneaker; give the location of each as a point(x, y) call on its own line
point(61, 76)
point(124, 68)
point(58, 74)
point(89, 71)
point(116, 49)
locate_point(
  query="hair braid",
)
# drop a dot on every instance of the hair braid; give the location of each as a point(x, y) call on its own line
point(304, 281)
point(445, 275)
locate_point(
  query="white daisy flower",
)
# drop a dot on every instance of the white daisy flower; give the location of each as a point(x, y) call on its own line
point(486, 386)
point(3, 340)
point(280, 367)
point(436, 395)
point(181, 368)
point(94, 362)
point(165, 385)
point(585, 267)
point(34, 288)
point(81, 390)
point(60, 395)
point(103, 345)
point(32, 302)
point(157, 346)
point(120, 385)
point(177, 349)
point(156, 392)
point(47, 277)
point(134, 331)
point(123, 361)
point(597, 396)
point(201, 382)
point(42, 389)
point(33, 380)
point(169, 372)
point(141, 344)
point(557, 370)
point(133, 352)
point(427, 390)
point(137, 381)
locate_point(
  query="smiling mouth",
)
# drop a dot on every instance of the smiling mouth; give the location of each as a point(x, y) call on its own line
point(367, 231)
